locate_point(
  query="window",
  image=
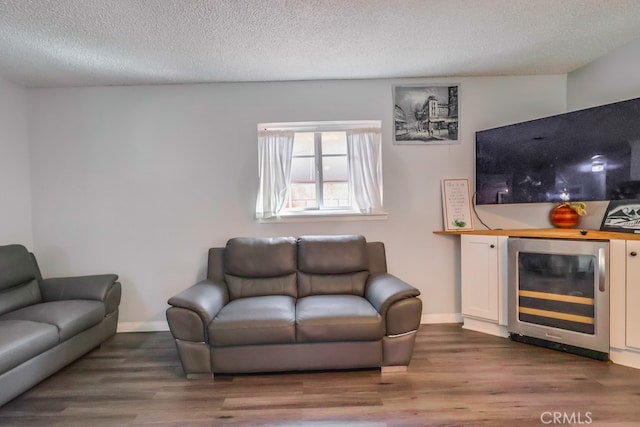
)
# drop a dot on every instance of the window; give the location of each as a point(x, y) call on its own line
point(319, 168)
point(319, 172)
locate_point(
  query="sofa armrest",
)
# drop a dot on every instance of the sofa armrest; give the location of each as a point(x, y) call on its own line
point(205, 298)
point(99, 287)
point(94, 287)
point(383, 290)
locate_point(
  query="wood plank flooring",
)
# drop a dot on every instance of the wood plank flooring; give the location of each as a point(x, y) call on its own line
point(456, 378)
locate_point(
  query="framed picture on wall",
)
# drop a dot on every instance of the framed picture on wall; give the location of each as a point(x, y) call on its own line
point(426, 114)
point(622, 216)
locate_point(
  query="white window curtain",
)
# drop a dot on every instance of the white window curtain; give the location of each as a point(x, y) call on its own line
point(365, 169)
point(275, 151)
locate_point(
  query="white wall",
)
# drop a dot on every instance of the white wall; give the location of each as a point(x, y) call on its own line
point(15, 174)
point(141, 181)
point(612, 77)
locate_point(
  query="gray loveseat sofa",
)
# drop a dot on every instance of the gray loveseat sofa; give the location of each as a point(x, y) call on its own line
point(46, 324)
point(286, 304)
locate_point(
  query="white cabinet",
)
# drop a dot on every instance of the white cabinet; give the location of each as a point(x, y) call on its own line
point(625, 302)
point(633, 294)
point(479, 276)
point(483, 283)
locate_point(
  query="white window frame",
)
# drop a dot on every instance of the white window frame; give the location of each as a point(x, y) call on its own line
point(322, 213)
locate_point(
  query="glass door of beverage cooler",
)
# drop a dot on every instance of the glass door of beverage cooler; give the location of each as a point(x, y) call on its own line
point(559, 291)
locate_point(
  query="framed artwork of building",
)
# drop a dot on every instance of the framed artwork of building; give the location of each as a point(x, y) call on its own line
point(426, 114)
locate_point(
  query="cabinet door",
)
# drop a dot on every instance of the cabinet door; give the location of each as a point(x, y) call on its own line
point(618, 255)
point(479, 276)
point(633, 294)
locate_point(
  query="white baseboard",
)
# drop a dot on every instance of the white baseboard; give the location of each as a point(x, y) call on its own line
point(162, 325)
point(625, 357)
point(486, 327)
point(157, 326)
point(441, 318)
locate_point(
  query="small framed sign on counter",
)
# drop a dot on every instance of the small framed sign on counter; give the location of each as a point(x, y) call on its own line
point(456, 204)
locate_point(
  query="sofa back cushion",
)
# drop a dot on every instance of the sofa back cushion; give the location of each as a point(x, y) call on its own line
point(18, 284)
point(259, 266)
point(332, 265)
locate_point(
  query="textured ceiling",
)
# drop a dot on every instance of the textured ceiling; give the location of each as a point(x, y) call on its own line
point(50, 43)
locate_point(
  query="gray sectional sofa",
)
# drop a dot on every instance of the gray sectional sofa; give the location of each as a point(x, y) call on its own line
point(286, 304)
point(46, 324)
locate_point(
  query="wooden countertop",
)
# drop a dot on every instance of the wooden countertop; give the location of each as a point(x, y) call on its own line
point(550, 233)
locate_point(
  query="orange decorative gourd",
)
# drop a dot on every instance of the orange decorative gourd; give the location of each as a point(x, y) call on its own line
point(563, 216)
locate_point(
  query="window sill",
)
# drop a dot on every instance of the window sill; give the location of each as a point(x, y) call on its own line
point(325, 217)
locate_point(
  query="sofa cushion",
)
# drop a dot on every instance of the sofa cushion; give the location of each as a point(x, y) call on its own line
point(260, 258)
point(255, 320)
point(20, 340)
point(20, 296)
point(332, 284)
point(326, 318)
point(18, 285)
point(332, 254)
point(332, 265)
point(70, 317)
point(240, 287)
point(16, 266)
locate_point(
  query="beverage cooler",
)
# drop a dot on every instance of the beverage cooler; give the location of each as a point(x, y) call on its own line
point(559, 294)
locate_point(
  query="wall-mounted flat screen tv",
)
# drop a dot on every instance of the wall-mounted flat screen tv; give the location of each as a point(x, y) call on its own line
point(584, 155)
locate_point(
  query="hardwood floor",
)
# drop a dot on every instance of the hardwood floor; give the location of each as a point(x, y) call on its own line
point(456, 378)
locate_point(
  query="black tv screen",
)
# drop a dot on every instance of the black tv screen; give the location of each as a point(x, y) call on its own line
point(585, 155)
